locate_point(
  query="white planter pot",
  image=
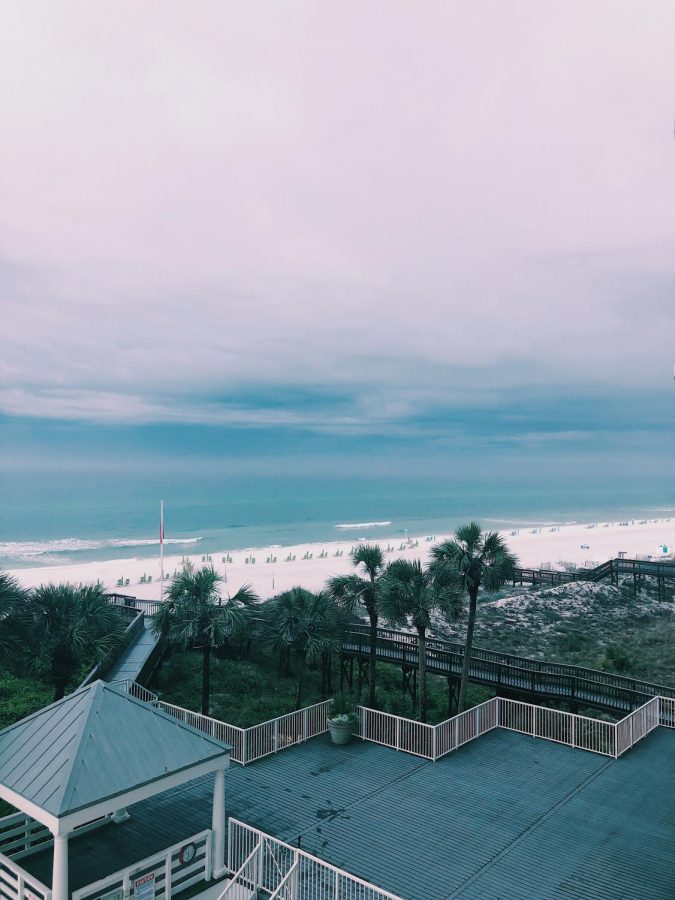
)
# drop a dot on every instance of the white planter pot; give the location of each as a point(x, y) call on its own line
point(341, 732)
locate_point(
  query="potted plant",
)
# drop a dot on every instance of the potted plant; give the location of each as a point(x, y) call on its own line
point(341, 719)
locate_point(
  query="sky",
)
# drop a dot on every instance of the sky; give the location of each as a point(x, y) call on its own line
point(309, 231)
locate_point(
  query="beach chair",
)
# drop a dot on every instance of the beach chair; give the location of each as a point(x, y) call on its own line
point(120, 582)
point(142, 581)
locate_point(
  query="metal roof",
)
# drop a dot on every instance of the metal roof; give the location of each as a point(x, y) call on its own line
point(96, 744)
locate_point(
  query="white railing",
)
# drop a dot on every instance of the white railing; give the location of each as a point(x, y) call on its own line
point(428, 741)
point(633, 727)
point(136, 690)
point(581, 732)
point(17, 884)
point(285, 731)
point(395, 731)
point(21, 835)
point(667, 712)
point(228, 734)
point(576, 731)
point(261, 862)
point(435, 741)
point(288, 889)
point(244, 883)
point(169, 871)
point(467, 726)
point(249, 744)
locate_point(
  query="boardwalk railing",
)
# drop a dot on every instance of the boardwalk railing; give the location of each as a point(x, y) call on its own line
point(581, 732)
point(149, 607)
point(249, 744)
point(506, 672)
point(638, 569)
point(260, 862)
point(135, 619)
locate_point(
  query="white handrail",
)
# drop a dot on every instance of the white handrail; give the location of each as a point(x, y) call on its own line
point(249, 744)
point(435, 741)
point(580, 732)
point(235, 889)
point(288, 889)
point(314, 873)
point(16, 879)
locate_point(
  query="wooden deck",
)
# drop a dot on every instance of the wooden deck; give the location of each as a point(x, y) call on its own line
point(506, 816)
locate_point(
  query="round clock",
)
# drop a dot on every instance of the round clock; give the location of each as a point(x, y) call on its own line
point(187, 854)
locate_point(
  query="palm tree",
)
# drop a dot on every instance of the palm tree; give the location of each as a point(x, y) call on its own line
point(476, 559)
point(68, 627)
point(410, 594)
point(195, 615)
point(12, 614)
point(304, 623)
point(349, 590)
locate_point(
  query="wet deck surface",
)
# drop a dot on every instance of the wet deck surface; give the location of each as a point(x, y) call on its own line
point(507, 816)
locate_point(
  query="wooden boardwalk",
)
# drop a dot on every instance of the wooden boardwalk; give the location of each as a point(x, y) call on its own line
point(136, 655)
point(662, 573)
point(507, 674)
point(507, 816)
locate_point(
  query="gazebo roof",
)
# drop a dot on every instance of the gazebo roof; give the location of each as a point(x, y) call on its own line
point(95, 745)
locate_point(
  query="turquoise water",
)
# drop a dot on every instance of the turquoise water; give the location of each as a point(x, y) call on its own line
point(73, 517)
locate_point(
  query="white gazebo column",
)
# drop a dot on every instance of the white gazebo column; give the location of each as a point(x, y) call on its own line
point(218, 824)
point(60, 889)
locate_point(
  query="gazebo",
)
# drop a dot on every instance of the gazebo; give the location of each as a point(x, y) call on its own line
point(98, 751)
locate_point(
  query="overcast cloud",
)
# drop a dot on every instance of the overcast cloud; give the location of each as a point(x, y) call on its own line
point(333, 215)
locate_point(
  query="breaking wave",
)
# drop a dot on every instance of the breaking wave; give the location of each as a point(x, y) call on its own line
point(363, 525)
point(48, 550)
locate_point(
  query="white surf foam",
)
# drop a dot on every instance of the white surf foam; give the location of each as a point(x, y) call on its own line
point(363, 525)
point(50, 549)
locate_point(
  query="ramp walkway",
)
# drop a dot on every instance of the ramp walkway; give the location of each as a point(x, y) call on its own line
point(129, 666)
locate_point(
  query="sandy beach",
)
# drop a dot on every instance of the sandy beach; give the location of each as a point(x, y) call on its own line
point(273, 569)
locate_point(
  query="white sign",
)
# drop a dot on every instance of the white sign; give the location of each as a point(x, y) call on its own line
point(144, 888)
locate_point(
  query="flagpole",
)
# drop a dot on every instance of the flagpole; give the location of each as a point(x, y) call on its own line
point(161, 545)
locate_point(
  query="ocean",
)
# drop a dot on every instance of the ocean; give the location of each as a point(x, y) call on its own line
point(72, 517)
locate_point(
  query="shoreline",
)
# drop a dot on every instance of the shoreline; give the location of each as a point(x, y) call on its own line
point(276, 567)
